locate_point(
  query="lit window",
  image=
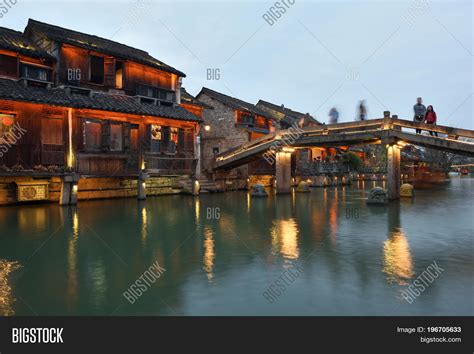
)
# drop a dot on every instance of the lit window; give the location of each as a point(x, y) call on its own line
point(156, 138)
point(173, 140)
point(6, 124)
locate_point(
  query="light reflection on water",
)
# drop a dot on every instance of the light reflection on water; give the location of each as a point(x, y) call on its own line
point(285, 238)
point(398, 264)
point(6, 297)
point(359, 264)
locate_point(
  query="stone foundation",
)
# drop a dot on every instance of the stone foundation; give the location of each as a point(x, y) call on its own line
point(95, 188)
point(8, 188)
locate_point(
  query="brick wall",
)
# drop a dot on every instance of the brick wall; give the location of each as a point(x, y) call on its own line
point(223, 133)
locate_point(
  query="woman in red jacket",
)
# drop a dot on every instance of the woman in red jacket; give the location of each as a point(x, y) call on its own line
point(430, 118)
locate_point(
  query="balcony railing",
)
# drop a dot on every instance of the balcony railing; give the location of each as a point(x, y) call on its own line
point(162, 164)
point(156, 93)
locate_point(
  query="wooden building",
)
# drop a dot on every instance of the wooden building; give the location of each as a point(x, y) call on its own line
point(76, 103)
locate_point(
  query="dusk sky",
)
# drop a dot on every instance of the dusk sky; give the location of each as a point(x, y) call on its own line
point(319, 54)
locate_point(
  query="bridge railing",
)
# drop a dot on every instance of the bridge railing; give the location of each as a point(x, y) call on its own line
point(453, 133)
point(380, 124)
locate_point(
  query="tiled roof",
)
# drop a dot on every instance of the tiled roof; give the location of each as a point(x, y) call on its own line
point(290, 115)
point(16, 42)
point(90, 42)
point(186, 97)
point(235, 103)
point(13, 90)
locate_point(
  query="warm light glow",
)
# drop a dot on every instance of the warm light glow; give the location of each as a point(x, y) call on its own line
point(197, 210)
point(144, 225)
point(287, 149)
point(70, 156)
point(207, 128)
point(72, 281)
point(209, 252)
point(6, 297)
point(74, 189)
point(398, 265)
point(144, 185)
point(285, 238)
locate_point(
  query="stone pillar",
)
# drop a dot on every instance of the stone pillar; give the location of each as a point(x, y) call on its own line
point(197, 156)
point(393, 172)
point(141, 185)
point(69, 189)
point(283, 172)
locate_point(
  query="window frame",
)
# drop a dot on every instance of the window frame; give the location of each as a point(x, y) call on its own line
point(17, 71)
point(90, 69)
point(84, 137)
point(2, 134)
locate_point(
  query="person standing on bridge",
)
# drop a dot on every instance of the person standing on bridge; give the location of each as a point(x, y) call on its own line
point(362, 110)
point(333, 116)
point(420, 111)
point(430, 118)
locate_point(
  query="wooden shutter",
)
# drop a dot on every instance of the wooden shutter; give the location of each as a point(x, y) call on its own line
point(109, 72)
point(126, 136)
point(181, 140)
point(52, 137)
point(166, 138)
point(105, 135)
point(189, 141)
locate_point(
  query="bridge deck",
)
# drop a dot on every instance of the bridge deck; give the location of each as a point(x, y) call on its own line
point(376, 131)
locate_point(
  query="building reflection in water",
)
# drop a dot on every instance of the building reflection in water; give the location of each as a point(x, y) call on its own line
point(285, 238)
point(6, 296)
point(209, 252)
point(33, 220)
point(398, 264)
point(72, 281)
point(333, 217)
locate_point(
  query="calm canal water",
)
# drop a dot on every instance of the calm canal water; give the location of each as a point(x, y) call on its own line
point(355, 259)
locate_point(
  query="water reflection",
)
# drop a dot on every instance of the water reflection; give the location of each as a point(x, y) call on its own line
point(144, 223)
point(197, 209)
point(72, 281)
point(285, 238)
point(32, 220)
point(398, 264)
point(6, 297)
point(209, 252)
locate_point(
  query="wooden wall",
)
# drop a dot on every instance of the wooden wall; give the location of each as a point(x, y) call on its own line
point(43, 144)
point(134, 73)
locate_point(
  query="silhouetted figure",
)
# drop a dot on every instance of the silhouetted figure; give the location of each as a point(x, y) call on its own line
point(362, 110)
point(430, 118)
point(420, 110)
point(333, 116)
